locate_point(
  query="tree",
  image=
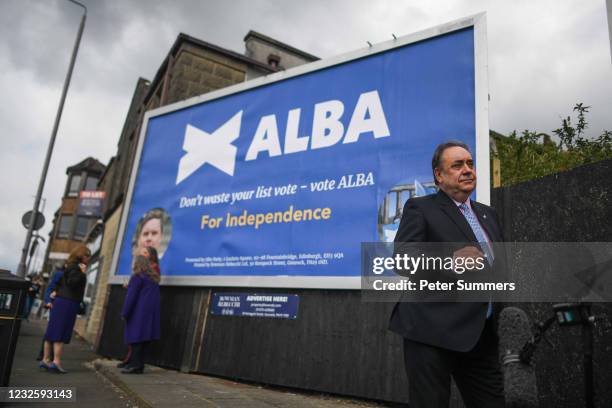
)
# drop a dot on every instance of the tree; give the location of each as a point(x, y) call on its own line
point(533, 154)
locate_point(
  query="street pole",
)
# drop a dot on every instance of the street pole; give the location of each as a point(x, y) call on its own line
point(609, 9)
point(21, 269)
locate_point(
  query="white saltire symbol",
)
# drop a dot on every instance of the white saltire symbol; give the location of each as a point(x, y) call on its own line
point(213, 148)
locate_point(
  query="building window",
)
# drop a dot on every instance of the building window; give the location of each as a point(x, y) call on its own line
point(65, 225)
point(82, 227)
point(91, 184)
point(90, 292)
point(75, 184)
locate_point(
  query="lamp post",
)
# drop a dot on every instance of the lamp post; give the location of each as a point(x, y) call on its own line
point(21, 269)
point(609, 7)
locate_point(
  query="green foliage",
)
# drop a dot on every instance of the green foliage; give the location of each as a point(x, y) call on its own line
point(531, 154)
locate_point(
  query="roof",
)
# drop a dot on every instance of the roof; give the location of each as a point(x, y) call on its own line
point(89, 164)
point(281, 45)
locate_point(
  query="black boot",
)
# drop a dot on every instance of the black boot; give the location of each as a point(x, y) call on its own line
point(132, 370)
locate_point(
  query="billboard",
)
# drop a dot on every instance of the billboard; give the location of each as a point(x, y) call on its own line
point(276, 182)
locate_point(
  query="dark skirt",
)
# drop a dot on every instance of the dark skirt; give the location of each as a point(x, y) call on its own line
point(61, 320)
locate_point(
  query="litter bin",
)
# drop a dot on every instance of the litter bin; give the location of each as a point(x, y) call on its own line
point(13, 292)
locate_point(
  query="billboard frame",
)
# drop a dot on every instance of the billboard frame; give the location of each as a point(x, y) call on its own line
point(481, 111)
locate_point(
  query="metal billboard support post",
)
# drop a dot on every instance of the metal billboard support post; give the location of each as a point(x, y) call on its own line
point(21, 269)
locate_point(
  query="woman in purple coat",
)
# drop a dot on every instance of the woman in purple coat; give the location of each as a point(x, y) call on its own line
point(141, 312)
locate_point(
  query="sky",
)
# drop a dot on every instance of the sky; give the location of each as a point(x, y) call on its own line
point(544, 56)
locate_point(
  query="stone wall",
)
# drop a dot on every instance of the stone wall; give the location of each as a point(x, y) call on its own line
point(196, 72)
point(92, 329)
point(262, 48)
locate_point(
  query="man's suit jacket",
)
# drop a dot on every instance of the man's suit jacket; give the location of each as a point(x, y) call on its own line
point(453, 326)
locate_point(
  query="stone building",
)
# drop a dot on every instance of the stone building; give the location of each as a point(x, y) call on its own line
point(274, 53)
point(69, 226)
point(191, 68)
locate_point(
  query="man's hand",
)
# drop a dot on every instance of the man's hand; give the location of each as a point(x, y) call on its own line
point(53, 294)
point(49, 305)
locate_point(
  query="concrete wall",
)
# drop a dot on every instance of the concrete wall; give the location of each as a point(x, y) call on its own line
point(573, 206)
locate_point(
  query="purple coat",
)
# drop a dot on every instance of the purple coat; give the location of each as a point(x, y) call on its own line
point(141, 310)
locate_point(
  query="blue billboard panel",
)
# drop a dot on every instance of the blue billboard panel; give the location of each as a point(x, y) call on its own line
point(278, 184)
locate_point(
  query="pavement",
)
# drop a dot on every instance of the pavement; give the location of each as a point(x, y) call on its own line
point(99, 383)
point(92, 389)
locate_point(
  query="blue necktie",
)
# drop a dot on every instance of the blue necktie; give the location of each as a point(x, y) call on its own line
point(482, 240)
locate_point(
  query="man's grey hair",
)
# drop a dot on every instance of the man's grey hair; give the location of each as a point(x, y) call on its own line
point(437, 156)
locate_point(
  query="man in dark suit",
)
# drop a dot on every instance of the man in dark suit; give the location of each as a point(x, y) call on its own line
point(451, 339)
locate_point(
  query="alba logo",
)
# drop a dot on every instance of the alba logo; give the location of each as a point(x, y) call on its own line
point(327, 130)
point(214, 148)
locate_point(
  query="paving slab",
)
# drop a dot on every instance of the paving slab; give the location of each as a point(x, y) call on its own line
point(92, 389)
point(162, 388)
point(99, 383)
